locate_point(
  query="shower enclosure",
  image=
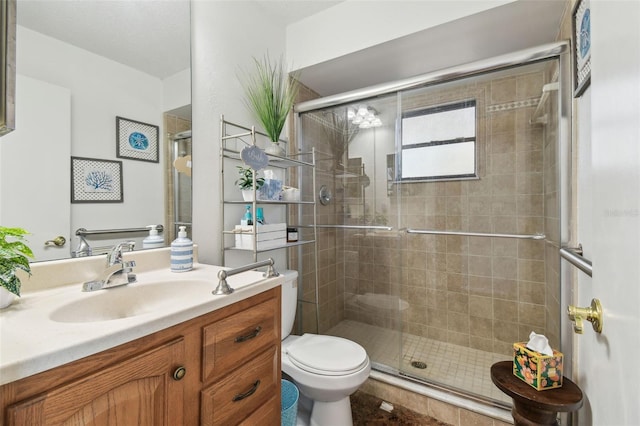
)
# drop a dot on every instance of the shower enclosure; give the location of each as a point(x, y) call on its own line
point(438, 240)
point(179, 209)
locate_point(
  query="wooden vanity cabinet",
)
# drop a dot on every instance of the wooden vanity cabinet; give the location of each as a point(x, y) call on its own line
point(219, 368)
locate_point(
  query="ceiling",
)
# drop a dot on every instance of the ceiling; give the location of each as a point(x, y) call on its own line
point(508, 28)
point(139, 33)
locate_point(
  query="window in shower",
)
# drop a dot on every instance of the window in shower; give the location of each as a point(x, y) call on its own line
point(439, 142)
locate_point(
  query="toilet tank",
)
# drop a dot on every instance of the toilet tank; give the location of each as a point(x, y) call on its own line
point(289, 301)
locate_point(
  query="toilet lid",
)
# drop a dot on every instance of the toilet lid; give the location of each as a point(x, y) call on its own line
point(327, 355)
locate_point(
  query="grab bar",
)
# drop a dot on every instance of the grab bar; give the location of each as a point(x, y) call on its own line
point(223, 286)
point(370, 227)
point(574, 256)
point(476, 234)
point(82, 232)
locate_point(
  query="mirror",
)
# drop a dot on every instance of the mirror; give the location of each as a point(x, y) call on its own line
point(7, 65)
point(79, 66)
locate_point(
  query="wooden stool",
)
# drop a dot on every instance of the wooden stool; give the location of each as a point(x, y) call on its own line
point(532, 407)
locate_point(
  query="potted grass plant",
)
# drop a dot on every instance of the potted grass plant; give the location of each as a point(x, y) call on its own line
point(270, 93)
point(14, 255)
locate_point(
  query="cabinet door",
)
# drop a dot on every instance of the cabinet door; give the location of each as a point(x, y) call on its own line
point(138, 391)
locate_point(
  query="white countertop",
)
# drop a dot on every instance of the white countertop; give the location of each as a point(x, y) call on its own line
point(35, 335)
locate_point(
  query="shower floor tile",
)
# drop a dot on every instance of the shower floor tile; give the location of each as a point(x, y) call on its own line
point(454, 366)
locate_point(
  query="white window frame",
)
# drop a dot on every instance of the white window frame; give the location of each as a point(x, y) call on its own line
point(428, 153)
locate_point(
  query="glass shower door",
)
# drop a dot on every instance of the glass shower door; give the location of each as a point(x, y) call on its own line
point(359, 243)
point(444, 220)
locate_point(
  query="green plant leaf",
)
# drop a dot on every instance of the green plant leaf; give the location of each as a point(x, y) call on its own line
point(270, 94)
point(246, 179)
point(14, 255)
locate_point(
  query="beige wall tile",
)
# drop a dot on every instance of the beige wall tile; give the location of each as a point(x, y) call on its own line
point(505, 224)
point(505, 267)
point(531, 314)
point(458, 302)
point(503, 205)
point(480, 223)
point(479, 245)
point(503, 90)
point(504, 247)
point(502, 163)
point(531, 270)
point(481, 306)
point(443, 412)
point(480, 205)
point(529, 85)
point(458, 322)
point(529, 161)
point(469, 418)
point(502, 143)
point(529, 183)
point(481, 327)
point(458, 282)
point(505, 331)
point(481, 343)
point(531, 249)
point(505, 289)
point(480, 265)
point(531, 292)
point(504, 184)
point(459, 339)
point(480, 286)
point(505, 310)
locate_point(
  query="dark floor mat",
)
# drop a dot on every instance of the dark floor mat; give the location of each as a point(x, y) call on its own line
point(366, 411)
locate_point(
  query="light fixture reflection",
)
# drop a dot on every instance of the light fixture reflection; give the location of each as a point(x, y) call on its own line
point(363, 116)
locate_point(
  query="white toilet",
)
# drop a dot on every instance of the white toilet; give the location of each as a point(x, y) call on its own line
point(326, 369)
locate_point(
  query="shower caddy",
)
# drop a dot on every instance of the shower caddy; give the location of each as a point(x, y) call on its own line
point(233, 138)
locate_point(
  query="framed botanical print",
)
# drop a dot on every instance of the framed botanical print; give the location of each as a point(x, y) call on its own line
point(96, 181)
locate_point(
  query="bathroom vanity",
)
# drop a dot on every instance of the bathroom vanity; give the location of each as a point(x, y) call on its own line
point(217, 367)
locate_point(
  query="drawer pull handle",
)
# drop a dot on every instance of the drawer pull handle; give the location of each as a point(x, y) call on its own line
point(249, 336)
point(248, 393)
point(179, 373)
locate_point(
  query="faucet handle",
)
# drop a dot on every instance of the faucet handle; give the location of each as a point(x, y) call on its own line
point(115, 255)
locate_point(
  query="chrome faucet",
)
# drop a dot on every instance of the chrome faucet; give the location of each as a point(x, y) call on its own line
point(117, 273)
point(84, 249)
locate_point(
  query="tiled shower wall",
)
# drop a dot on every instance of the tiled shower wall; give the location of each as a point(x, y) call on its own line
point(330, 294)
point(484, 293)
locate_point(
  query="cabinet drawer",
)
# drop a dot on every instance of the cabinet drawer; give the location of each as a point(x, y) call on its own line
point(247, 389)
point(232, 341)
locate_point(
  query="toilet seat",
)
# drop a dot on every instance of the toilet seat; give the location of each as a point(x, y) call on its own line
point(327, 355)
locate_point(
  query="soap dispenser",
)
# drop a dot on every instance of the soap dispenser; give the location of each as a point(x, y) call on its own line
point(182, 252)
point(247, 220)
point(153, 240)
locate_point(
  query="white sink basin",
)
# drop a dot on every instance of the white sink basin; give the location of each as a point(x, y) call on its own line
point(129, 300)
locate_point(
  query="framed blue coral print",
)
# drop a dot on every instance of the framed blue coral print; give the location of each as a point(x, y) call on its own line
point(581, 46)
point(95, 180)
point(136, 140)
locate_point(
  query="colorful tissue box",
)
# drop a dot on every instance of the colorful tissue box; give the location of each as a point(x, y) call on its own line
point(540, 371)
